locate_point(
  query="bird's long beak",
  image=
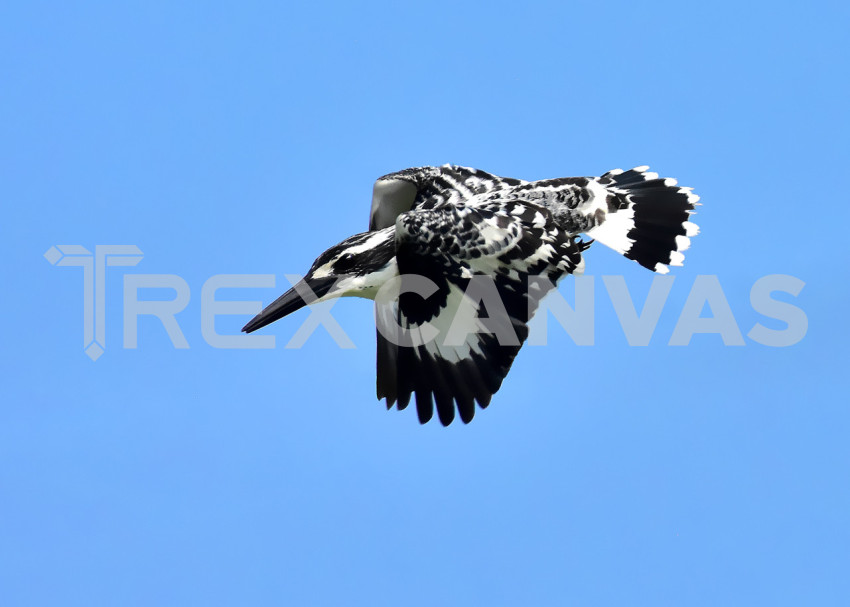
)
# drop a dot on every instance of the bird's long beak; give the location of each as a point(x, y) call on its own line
point(311, 288)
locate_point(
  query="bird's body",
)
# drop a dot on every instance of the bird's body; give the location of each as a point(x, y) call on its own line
point(458, 259)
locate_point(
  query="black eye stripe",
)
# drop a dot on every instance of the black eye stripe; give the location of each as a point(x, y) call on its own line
point(344, 263)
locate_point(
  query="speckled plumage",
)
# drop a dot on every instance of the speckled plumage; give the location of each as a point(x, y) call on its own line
point(490, 248)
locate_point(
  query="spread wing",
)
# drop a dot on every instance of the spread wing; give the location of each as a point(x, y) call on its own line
point(486, 269)
point(428, 187)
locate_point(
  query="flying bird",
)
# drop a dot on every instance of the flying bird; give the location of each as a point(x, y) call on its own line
point(485, 250)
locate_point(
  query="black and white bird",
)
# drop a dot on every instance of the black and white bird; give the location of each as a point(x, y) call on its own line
point(458, 227)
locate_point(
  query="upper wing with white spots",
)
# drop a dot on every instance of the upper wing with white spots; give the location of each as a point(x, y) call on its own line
point(576, 203)
point(427, 187)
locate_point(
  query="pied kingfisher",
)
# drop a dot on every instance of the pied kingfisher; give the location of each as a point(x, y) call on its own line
point(452, 224)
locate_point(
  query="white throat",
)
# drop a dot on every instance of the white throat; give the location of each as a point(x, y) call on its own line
point(364, 286)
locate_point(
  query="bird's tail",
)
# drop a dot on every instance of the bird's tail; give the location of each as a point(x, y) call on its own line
point(647, 218)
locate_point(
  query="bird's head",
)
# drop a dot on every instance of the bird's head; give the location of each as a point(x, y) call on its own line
point(356, 267)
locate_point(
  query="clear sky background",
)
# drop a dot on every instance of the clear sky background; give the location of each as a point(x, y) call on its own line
point(244, 138)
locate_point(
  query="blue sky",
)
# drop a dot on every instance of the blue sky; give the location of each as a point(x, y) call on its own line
point(245, 139)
